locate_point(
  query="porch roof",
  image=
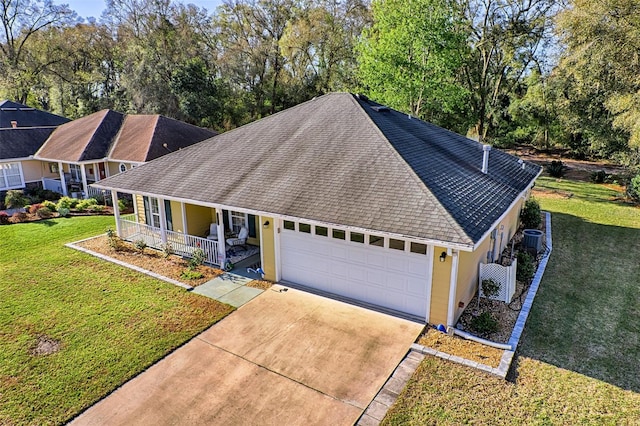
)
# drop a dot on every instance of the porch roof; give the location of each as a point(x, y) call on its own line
point(345, 160)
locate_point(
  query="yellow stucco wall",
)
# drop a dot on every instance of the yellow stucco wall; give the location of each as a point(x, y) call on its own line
point(35, 170)
point(140, 204)
point(176, 216)
point(268, 248)
point(198, 219)
point(113, 168)
point(440, 287)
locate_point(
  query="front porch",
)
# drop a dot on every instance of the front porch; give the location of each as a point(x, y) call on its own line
point(74, 179)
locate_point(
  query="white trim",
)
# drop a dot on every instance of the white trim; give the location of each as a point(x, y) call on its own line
point(163, 220)
point(63, 181)
point(56, 160)
point(277, 232)
point(453, 287)
point(121, 166)
point(116, 212)
point(222, 241)
point(183, 212)
point(427, 241)
point(85, 186)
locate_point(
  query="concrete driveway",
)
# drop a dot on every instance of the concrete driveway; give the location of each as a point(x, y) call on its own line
point(286, 357)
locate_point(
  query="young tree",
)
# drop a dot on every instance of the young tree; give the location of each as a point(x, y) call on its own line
point(410, 58)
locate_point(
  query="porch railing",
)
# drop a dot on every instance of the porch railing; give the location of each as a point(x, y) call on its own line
point(95, 192)
point(181, 244)
point(52, 185)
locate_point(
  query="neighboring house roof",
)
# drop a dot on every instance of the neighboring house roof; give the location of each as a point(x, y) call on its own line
point(22, 142)
point(119, 137)
point(344, 160)
point(25, 116)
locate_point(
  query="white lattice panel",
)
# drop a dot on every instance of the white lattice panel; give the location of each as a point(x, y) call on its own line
point(505, 276)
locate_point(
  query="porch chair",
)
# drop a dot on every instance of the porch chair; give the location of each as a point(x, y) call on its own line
point(240, 240)
point(213, 232)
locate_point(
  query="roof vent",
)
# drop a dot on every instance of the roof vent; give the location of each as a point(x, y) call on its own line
point(380, 108)
point(362, 97)
point(521, 162)
point(14, 124)
point(485, 158)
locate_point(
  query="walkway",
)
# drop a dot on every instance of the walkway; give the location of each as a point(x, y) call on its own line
point(228, 288)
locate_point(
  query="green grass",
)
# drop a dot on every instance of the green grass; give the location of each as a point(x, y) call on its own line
point(112, 323)
point(578, 359)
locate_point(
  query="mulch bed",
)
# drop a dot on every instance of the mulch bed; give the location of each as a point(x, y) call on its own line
point(464, 348)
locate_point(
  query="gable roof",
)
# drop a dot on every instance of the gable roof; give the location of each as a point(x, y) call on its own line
point(26, 116)
point(119, 137)
point(344, 160)
point(22, 142)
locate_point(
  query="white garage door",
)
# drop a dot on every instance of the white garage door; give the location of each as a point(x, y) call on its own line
point(377, 275)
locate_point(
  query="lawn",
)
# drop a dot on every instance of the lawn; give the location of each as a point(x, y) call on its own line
point(578, 360)
point(110, 322)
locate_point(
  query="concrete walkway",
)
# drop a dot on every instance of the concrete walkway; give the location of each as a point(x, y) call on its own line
point(286, 358)
point(228, 288)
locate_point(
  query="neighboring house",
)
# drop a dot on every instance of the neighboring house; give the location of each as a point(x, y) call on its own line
point(343, 196)
point(106, 143)
point(23, 130)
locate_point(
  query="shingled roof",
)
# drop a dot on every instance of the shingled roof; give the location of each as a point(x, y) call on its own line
point(344, 160)
point(22, 142)
point(25, 116)
point(118, 137)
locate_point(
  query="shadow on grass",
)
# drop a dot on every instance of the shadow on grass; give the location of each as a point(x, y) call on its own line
point(586, 315)
point(47, 222)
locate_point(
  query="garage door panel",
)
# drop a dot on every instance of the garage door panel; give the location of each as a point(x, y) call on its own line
point(371, 274)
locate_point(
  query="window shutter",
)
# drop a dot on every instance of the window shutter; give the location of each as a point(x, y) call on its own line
point(225, 219)
point(147, 211)
point(167, 211)
point(252, 225)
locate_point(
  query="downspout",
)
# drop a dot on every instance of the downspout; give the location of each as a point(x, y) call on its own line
point(453, 285)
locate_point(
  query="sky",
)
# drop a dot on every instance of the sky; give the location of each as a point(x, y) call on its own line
point(86, 8)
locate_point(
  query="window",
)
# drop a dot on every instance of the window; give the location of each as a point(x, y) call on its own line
point(154, 209)
point(418, 248)
point(322, 231)
point(375, 240)
point(122, 167)
point(289, 225)
point(356, 237)
point(76, 175)
point(338, 234)
point(10, 176)
point(396, 244)
point(237, 221)
point(304, 227)
point(53, 167)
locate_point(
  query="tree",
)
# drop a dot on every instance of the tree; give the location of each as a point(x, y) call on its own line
point(21, 20)
point(505, 39)
point(410, 57)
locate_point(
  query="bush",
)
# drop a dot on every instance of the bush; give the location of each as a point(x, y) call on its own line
point(633, 188)
point(599, 176)
point(67, 203)
point(167, 249)
point(96, 208)
point(19, 217)
point(4, 218)
point(190, 274)
point(34, 208)
point(43, 213)
point(555, 168)
point(530, 216)
point(63, 212)
point(490, 288)
point(15, 199)
point(197, 258)
point(113, 240)
point(122, 204)
point(484, 323)
point(38, 195)
point(526, 268)
point(50, 205)
point(140, 245)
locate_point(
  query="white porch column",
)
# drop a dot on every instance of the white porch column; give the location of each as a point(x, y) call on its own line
point(106, 169)
point(222, 249)
point(183, 211)
point(163, 221)
point(85, 186)
point(429, 283)
point(135, 207)
point(277, 226)
point(63, 181)
point(116, 211)
point(96, 172)
point(453, 284)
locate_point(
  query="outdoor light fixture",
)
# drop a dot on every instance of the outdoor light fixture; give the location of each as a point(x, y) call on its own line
point(443, 256)
point(266, 224)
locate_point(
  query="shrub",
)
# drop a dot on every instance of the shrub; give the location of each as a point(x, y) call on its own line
point(67, 203)
point(63, 212)
point(526, 268)
point(140, 245)
point(484, 323)
point(113, 240)
point(15, 199)
point(4, 218)
point(19, 217)
point(530, 216)
point(490, 287)
point(50, 205)
point(96, 208)
point(599, 176)
point(43, 213)
point(197, 258)
point(122, 204)
point(555, 168)
point(34, 208)
point(633, 188)
point(167, 249)
point(190, 274)
point(38, 195)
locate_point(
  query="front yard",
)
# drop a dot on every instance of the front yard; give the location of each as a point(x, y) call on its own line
point(73, 327)
point(578, 359)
